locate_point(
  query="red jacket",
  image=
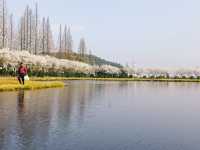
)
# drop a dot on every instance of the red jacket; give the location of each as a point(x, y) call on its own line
point(22, 70)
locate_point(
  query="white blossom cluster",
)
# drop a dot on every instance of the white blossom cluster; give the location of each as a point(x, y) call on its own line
point(13, 58)
point(108, 69)
point(167, 72)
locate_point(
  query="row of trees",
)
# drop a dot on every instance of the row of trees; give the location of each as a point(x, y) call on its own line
point(34, 34)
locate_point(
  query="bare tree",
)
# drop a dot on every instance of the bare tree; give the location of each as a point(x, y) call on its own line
point(91, 58)
point(36, 29)
point(30, 30)
point(43, 35)
point(64, 40)
point(47, 34)
point(3, 21)
point(11, 33)
point(82, 47)
point(68, 41)
point(49, 37)
point(33, 34)
point(3, 24)
point(24, 31)
point(21, 34)
point(27, 27)
point(60, 41)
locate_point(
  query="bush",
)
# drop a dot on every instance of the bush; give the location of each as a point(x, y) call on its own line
point(130, 76)
point(123, 74)
point(144, 77)
point(191, 77)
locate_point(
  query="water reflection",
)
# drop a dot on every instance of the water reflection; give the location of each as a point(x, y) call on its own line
point(97, 115)
point(21, 106)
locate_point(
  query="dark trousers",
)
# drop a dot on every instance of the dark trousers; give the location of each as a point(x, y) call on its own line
point(21, 78)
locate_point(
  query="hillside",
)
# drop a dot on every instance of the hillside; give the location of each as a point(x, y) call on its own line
point(100, 61)
point(90, 59)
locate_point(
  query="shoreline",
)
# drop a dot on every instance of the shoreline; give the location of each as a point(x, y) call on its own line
point(37, 79)
point(113, 79)
point(11, 83)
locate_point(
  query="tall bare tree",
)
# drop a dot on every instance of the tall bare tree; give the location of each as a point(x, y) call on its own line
point(3, 24)
point(43, 35)
point(91, 58)
point(21, 34)
point(64, 39)
point(67, 41)
point(36, 29)
point(49, 37)
point(27, 27)
point(29, 36)
point(82, 48)
point(30, 31)
point(60, 41)
point(25, 30)
point(11, 33)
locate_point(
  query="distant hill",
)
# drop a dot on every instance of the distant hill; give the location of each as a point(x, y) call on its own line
point(90, 59)
point(100, 61)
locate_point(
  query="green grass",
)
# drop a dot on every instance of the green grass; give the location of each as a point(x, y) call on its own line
point(11, 84)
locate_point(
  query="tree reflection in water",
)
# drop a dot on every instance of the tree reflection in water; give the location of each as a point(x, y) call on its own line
point(21, 105)
point(45, 119)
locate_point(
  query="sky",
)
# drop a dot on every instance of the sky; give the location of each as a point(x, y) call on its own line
point(147, 33)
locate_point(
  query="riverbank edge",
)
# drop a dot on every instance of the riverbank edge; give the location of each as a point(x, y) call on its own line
point(12, 85)
point(113, 79)
point(56, 82)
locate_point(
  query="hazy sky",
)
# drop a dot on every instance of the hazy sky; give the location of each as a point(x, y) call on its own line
point(147, 32)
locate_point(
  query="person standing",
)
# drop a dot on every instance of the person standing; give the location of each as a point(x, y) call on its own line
point(22, 72)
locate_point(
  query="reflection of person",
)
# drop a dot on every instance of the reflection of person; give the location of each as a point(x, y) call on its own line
point(22, 72)
point(21, 100)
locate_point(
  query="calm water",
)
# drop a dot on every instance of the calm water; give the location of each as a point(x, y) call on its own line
point(89, 115)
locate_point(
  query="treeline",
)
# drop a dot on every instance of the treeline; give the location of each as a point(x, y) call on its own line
point(34, 34)
point(35, 71)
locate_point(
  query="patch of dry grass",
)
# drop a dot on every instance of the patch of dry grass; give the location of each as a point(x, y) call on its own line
point(12, 84)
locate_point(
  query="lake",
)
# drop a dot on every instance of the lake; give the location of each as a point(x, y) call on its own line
point(98, 115)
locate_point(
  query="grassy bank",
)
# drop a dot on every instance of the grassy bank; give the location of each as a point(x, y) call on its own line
point(11, 84)
point(115, 79)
